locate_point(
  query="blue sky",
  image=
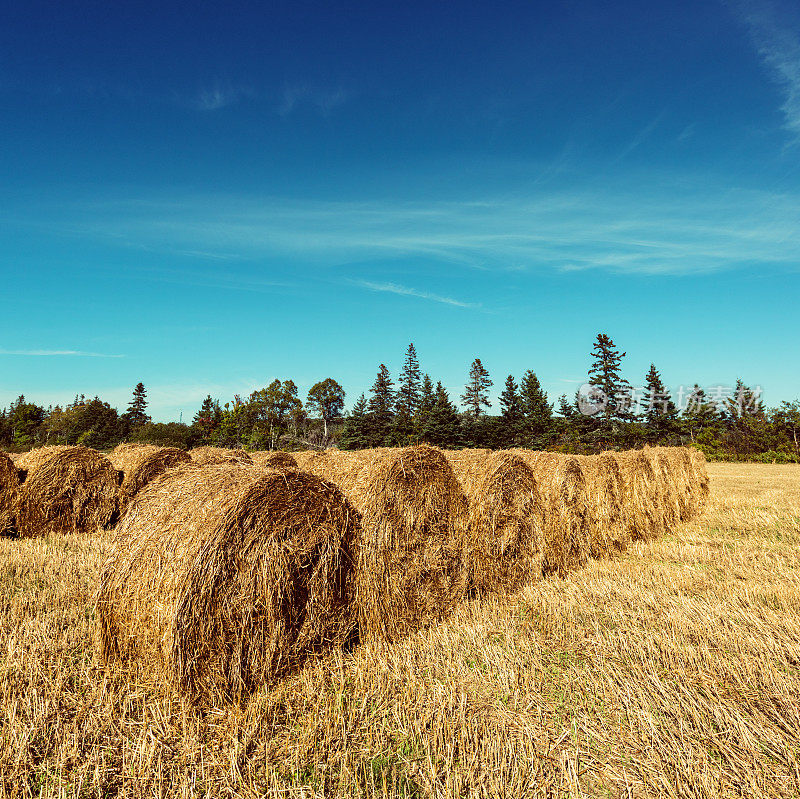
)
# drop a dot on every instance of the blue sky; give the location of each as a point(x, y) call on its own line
point(206, 196)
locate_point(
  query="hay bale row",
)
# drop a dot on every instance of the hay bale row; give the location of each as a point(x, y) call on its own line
point(410, 550)
point(66, 490)
point(222, 579)
point(506, 542)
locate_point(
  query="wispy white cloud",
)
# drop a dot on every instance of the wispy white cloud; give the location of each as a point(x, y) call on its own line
point(218, 96)
point(52, 353)
point(395, 288)
point(773, 29)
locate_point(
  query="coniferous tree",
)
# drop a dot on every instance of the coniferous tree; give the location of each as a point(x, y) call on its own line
point(606, 375)
point(136, 415)
point(537, 411)
point(427, 399)
point(476, 392)
point(407, 399)
point(511, 414)
point(381, 409)
point(700, 414)
point(566, 409)
point(207, 420)
point(354, 434)
point(443, 427)
point(660, 413)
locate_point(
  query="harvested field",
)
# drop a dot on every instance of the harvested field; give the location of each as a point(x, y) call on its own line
point(410, 569)
point(66, 490)
point(506, 538)
point(9, 493)
point(142, 463)
point(212, 456)
point(568, 525)
point(222, 579)
point(668, 671)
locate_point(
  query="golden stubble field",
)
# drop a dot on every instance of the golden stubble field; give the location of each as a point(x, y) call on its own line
point(673, 670)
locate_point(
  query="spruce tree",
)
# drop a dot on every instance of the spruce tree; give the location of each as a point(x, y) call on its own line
point(511, 413)
point(660, 413)
point(565, 407)
point(136, 415)
point(206, 420)
point(537, 411)
point(476, 392)
point(381, 409)
point(443, 428)
point(427, 399)
point(700, 414)
point(354, 434)
point(408, 392)
point(606, 374)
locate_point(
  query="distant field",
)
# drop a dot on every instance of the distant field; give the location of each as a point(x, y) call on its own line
point(671, 671)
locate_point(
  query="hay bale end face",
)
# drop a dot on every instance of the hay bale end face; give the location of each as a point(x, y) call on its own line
point(277, 459)
point(9, 494)
point(701, 482)
point(66, 490)
point(410, 570)
point(223, 579)
point(141, 463)
point(213, 456)
point(505, 545)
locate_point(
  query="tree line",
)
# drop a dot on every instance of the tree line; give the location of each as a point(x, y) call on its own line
point(606, 413)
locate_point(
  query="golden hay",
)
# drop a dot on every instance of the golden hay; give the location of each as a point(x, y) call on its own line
point(205, 456)
point(410, 568)
point(142, 463)
point(505, 546)
point(605, 495)
point(644, 514)
point(221, 579)
point(700, 479)
point(9, 493)
point(678, 463)
point(668, 490)
point(273, 459)
point(67, 490)
point(567, 520)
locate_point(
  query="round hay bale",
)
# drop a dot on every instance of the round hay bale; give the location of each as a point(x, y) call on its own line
point(66, 490)
point(644, 514)
point(678, 465)
point(9, 493)
point(567, 519)
point(223, 579)
point(410, 568)
point(668, 490)
point(266, 459)
point(700, 480)
point(213, 456)
point(142, 463)
point(605, 494)
point(505, 546)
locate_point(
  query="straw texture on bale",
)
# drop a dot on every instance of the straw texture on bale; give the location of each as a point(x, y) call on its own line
point(410, 568)
point(142, 463)
point(205, 456)
point(505, 545)
point(567, 520)
point(222, 579)
point(66, 490)
point(700, 477)
point(273, 460)
point(605, 495)
point(644, 509)
point(667, 487)
point(678, 465)
point(9, 493)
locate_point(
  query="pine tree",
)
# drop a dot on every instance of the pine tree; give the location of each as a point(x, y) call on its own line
point(408, 392)
point(136, 415)
point(700, 414)
point(511, 414)
point(443, 428)
point(605, 374)
point(381, 409)
point(206, 420)
point(660, 413)
point(565, 407)
point(354, 434)
point(476, 392)
point(427, 399)
point(537, 411)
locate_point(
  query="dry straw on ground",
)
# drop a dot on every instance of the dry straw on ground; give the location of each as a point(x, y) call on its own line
point(605, 498)
point(142, 463)
point(505, 546)
point(205, 456)
point(9, 493)
point(410, 552)
point(222, 579)
point(567, 521)
point(273, 459)
point(66, 490)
